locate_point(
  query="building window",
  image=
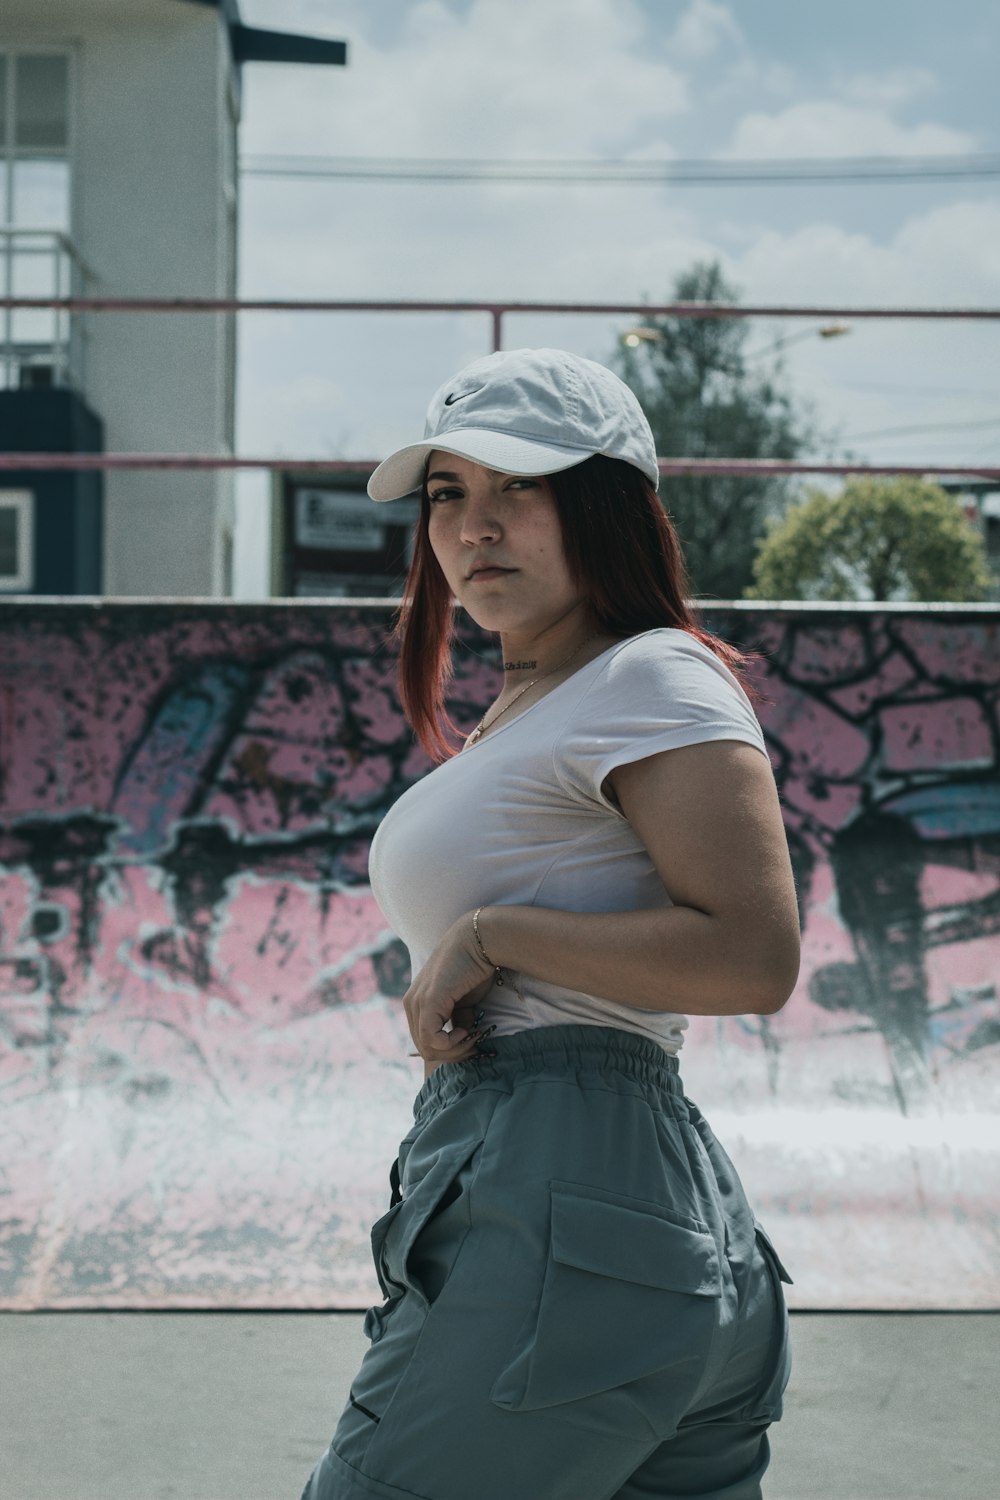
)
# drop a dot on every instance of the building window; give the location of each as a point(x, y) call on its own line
point(34, 139)
point(41, 100)
point(17, 525)
point(35, 209)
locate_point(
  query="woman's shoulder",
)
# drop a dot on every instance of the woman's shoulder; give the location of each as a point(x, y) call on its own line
point(663, 689)
point(663, 669)
point(663, 650)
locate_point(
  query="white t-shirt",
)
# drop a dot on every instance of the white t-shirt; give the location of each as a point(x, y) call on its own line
point(519, 817)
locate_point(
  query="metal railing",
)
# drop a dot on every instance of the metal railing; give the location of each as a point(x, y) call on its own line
point(496, 310)
point(74, 304)
point(40, 345)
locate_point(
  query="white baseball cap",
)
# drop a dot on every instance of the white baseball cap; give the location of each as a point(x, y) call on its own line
point(525, 411)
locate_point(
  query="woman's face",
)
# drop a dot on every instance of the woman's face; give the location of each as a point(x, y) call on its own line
point(498, 542)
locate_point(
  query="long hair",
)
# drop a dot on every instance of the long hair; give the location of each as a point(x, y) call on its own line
point(622, 552)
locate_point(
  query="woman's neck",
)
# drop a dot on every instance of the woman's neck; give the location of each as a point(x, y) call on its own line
point(528, 653)
point(571, 643)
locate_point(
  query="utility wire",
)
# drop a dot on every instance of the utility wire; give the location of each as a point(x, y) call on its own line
point(994, 422)
point(848, 169)
point(914, 390)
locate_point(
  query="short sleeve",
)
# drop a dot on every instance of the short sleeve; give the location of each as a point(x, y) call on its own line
point(658, 691)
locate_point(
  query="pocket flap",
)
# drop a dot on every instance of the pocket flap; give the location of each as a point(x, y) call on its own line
point(631, 1240)
point(762, 1234)
point(407, 1219)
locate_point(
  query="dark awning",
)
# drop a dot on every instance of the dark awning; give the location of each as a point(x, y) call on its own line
point(253, 44)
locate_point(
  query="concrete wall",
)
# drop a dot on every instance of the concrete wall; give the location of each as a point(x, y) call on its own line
point(153, 129)
point(203, 1071)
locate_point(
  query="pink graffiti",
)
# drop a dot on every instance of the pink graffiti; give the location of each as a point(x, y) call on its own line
point(203, 1064)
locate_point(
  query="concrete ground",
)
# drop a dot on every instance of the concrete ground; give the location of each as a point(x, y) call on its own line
point(238, 1406)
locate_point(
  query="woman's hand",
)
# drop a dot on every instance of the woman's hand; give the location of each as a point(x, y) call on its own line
point(449, 987)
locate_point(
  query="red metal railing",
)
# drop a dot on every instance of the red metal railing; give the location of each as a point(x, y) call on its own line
point(497, 311)
point(759, 467)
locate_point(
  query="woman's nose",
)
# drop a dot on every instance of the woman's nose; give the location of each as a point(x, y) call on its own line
point(479, 523)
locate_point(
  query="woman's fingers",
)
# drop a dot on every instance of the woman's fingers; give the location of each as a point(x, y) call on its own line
point(449, 989)
point(468, 1017)
point(461, 1039)
point(427, 1029)
point(427, 1018)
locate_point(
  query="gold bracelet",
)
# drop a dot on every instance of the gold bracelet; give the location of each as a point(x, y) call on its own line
point(479, 941)
point(498, 972)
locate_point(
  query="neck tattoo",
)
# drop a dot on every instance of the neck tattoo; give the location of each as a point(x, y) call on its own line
point(482, 726)
point(519, 666)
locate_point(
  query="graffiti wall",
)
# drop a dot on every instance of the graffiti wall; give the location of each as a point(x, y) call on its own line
point(203, 1069)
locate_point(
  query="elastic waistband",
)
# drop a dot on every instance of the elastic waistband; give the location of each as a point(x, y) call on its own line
point(560, 1048)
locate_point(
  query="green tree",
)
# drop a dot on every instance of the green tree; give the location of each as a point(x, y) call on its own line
point(704, 401)
point(877, 539)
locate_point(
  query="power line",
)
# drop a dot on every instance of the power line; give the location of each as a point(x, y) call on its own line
point(994, 422)
point(914, 390)
point(703, 170)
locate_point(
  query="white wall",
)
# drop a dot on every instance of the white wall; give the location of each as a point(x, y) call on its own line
point(153, 161)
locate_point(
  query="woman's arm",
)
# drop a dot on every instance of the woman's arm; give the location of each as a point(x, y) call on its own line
point(709, 816)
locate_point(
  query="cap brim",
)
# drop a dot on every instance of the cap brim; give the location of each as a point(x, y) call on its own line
point(403, 472)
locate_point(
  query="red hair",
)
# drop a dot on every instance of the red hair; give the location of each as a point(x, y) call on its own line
point(622, 551)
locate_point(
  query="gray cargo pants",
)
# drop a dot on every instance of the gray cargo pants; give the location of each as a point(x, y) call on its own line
point(579, 1301)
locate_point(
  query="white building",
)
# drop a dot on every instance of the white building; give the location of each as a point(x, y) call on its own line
point(118, 152)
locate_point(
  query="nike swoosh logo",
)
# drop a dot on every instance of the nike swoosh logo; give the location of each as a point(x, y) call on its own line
point(454, 396)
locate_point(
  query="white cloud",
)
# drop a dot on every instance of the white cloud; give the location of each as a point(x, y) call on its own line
point(750, 77)
point(825, 127)
point(563, 78)
point(946, 255)
point(703, 28)
point(890, 89)
point(957, 251)
point(356, 385)
point(576, 78)
point(874, 378)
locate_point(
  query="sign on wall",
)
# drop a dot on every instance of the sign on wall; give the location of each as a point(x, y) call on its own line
point(338, 521)
point(331, 541)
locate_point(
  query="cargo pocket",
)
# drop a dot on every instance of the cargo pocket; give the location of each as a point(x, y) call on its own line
point(629, 1302)
point(768, 1403)
point(394, 1235)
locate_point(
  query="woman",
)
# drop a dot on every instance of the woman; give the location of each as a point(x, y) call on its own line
point(579, 1303)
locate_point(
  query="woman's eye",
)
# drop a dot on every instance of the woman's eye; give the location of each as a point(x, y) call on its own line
point(523, 484)
point(445, 494)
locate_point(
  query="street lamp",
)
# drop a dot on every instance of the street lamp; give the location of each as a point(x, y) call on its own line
point(633, 337)
point(827, 331)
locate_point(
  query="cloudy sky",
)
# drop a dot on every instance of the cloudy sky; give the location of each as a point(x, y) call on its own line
point(619, 80)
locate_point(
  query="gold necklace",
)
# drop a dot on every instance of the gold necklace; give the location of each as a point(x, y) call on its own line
point(482, 726)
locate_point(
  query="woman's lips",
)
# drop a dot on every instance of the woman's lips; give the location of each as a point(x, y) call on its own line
point(487, 573)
